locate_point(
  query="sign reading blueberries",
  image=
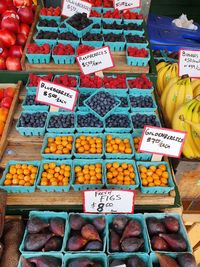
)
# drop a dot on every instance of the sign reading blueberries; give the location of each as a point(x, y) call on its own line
point(162, 141)
point(126, 4)
point(189, 63)
point(109, 201)
point(56, 95)
point(95, 60)
point(71, 7)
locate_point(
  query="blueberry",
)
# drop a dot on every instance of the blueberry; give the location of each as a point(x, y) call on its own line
point(36, 119)
point(118, 121)
point(124, 102)
point(61, 121)
point(141, 101)
point(30, 100)
point(89, 120)
point(140, 120)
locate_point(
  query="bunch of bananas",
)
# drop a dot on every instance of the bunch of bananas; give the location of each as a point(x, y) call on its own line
point(196, 87)
point(187, 119)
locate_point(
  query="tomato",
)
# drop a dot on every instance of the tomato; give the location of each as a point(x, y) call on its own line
point(24, 28)
point(2, 63)
point(7, 38)
point(19, 3)
point(6, 102)
point(26, 15)
point(11, 24)
point(21, 39)
point(1, 93)
point(3, 114)
point(9, 91)
point(3, 6)
point(16, 51)
point(13, 63)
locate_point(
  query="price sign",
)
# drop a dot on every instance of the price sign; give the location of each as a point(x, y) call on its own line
point(189, 63)
point(126, 4)
point(162, 141)
point(56, 95)
point(71, 7)
point(95, 60)
point(109, 201)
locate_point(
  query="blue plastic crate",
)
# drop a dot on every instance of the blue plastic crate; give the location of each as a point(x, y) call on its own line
point(96, 44)
point(111, 20)
point(96, 19)
point(31, 131)
point(76, 32)
point(54, 156)
point(138, 45)
point(105, 9)
point(125, 256)
point(75, 44)
point(150, 90)
point(134, 32)
point(60, 130)
point(31, 255)
point(32, 88)
point(156, 189)
point(140, 218)
point(97, 8)
point(18, 188)
point(147, 113)
point(136, 21)
point(120, 155)
point(26, 107)
point(38, 58)
point(140, 156)
point(118, 102)
point(89, 156)
point(45, 41)
point(121, 93)
point(81, 162)
point(116, 46)
point(56, 188)
point(56, 18)
point(145, 109)
point(88, 129)
point(46, 216)
point(63, 59)
point(46, 29)
point(137, 61)
point(182, 230)
point(119, 129)
point(118, 186)
point(88, 218)
point(107, 31)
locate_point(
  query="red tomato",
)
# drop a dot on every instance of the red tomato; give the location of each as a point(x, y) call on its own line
point(2, 63)
point(26, 14)
point(11, 24)
point(9, 91)
point(16, 51)
point(7, 38)
point(3, 6)
point(6, 102)
point(1, 93)
point(13, 63)
point(21, 39)
point(19, 3)
point(24, 28)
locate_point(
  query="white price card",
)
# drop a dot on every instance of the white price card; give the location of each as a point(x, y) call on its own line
point(162, 141)
point(56, 95)
point(71, 7)
point(95, 60)
point(126, 4)
point(109, 201)
point(189, 63)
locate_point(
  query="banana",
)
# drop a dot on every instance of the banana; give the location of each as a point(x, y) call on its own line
point(160, 78)
point(195, 125)
point(181, 94)
point(195, 83)
point(196, 90)
point(188, 91)
point(160, 65)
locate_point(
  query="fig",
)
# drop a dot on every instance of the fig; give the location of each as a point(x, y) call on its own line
point(81, 262)
point(186, 260)
point(116, 263)
point(35, 242)
point(53, 244)
point(94, 245)
point(76, 222)
point(25, 262)
point(158, 243)
point(171, 224)
point(35, 225)
point(57, 226)
point(89, 232)
point(119, 223)
point(132, 244)
point(46, 261)
point(99, 223)
point(175, 241)
point(132, 229)
point(114, 241)
point(155, 226)
point(166, 261)
point(135, 261)
point(76, 243)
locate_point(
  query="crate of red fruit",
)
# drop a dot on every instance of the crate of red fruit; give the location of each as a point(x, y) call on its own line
point(102, 103)
point(95, 16)
point(118, 122)
point(68, 38)
point(90, 82)
point(67, 80)
point(86, 233)
point(142, 101)
point(136, 41)
point(61, 122)
point(47, 25)
point(132, 17)
point(20, 176)
point(116, 42)
point(167, 234)
point(79, 24)
point(32, 123)
point(29, 103)
point(63, 54)
point(115, 27)
point(38, 54)
point(137, 57)
point(82, 49)
point(140, 84)
point(141, 118)
point(46, 37)
point(87, 122)
point(51, 13)
point(115, 82)
point(133, 28)
point(33, 81)
point(112, 15)
point(94, 39)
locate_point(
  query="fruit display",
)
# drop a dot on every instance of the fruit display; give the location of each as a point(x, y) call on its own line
point(181, 260)
point(50, 11)
point(34, 80)
point(32, 120)
point(88, 81)
point(115, 82)
point(87, 259)
point(118, 144)
point(119, 121)
point(87, 233)
point(139, 120)
point(131, 261)
point(59, 145)
point(79, 22)
point(42, 260)
point(141, 82)
point(88, 145)
point(88, 121)
point(66, 80)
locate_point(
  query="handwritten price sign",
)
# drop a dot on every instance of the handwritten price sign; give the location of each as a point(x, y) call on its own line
point(189, 63)
point(109, 201)
point(126, 4)
point(71, 7)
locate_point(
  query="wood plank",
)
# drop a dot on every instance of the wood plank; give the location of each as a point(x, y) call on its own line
point(193, 234)
point(197, 255)
point(190, 218)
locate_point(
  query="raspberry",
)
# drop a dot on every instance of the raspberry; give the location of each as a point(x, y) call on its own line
point(141, 81)
point(38, 49)
point(90, 81)
point(66, 80)
point(112, 14)
point(84, 49)
point(131, 15)
point(136, 52)
point(34, 79)
point(62, 49)
point(115, 82)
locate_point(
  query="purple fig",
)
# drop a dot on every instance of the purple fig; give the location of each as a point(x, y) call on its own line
point(116, 263)
point(155, 226)
point(186, 260)
point(25, 262)
point(114, 241)
point(76, 243)
point(132, 244)
point(158, 243)
point(46, 261)
point(99, 222)
point(135, 261)
point(35, 242)
point(81, 262)
point(89, 232)
point(119, 222)
point(171, 224)
point(76, 222)
point(94, 246)
point(175, 241)
point(53, 244)
point(57, 226)
point(166, 261)
point(35, 225)
point(133, 229)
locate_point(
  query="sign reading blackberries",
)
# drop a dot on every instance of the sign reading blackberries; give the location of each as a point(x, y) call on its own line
point(56, 95)
point(162, 141)
point(71, 7)
point(189, 63)
point(126, 4)
point(109, 201)
point(95, 60)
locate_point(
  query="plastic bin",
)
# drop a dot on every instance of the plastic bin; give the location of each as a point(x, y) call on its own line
point(40, 107)
point(60, 130)
point(88, 129)
point(30, 255)
point(144, 109)
point(119, 129)
point(140, 156)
